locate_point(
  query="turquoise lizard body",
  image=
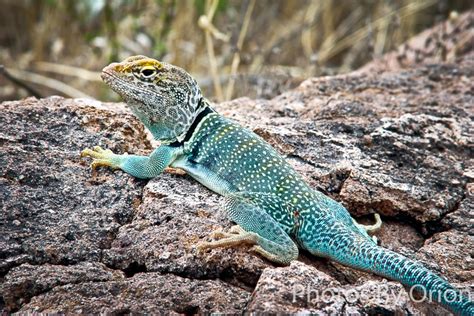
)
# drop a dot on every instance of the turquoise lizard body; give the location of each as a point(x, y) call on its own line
point(276, 211)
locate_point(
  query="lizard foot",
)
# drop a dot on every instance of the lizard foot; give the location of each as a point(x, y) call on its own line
point(234, 237)
point(375, 227)
point(372, 228)
point(101, 157)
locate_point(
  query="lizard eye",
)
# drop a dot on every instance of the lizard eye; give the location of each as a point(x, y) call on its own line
point(148, 72)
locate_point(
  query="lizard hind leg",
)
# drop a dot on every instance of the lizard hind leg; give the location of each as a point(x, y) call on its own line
point(256, 228)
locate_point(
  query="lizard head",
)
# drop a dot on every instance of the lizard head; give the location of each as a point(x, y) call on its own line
point(164, 97)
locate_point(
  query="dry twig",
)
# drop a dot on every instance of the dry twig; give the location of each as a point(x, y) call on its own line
point(54, 84)
point(205, 22)
point(240, 42)
point(68, 71)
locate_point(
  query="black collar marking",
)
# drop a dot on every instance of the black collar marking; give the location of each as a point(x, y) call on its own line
point(190, 131)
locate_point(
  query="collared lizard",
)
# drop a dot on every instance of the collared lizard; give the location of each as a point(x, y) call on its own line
point(276, 211)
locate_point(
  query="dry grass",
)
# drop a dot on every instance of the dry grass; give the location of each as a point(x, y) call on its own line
point(234, 48)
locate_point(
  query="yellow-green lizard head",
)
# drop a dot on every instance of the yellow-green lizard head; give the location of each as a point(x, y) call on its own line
point(164, 97)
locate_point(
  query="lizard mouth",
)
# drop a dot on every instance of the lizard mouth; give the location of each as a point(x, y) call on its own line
point(112, 80)
point(116, 83)
point(122, 87)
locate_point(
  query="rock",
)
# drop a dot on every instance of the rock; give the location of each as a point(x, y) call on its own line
point(463, 217)
point(66, 216)
point(144, 293)
point(297, 288)
point(437, 254)
point(26, 281)
point(441, 43)
point(397, 143)
point(303, 289)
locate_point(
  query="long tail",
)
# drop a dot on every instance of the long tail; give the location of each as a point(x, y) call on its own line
point(357, 251)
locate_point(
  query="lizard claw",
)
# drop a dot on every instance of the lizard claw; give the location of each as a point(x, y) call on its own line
point(233, 231)
point(101, 157)
point(236, 236)
point(96, 152)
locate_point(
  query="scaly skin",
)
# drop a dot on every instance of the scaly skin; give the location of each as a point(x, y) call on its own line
point(276, 211)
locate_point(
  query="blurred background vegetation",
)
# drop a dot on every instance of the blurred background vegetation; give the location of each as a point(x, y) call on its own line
point(233, 48)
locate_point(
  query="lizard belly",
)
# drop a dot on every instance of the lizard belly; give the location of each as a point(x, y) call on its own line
point(203, 175)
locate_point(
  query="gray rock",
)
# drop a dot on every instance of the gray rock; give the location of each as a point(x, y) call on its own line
point(150, 293)
point(303, 289)
point(26, 281)
point(462, 218)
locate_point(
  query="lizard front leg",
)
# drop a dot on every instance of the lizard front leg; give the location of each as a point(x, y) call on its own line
point(257, 228)
point(142, 167)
